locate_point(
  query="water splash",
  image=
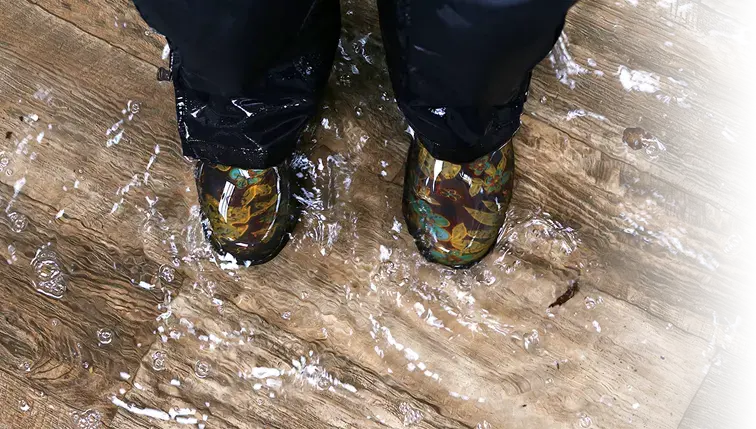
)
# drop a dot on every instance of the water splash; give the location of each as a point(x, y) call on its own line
point(89, 419)
point(638, 80)
point(563, 64)
point(410, 415)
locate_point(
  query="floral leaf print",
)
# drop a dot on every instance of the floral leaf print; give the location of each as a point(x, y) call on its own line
point(255, 191)
point(459, 233)
point(490, 219)
point(476, 187)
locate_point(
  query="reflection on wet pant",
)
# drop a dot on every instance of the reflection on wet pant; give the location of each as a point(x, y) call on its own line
point(249, 74)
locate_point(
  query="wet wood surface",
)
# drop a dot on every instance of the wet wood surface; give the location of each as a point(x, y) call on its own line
point(349, 328)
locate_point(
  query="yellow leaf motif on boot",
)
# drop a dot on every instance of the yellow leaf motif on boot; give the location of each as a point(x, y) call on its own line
point(475, 187)
point(230, 227)
point(253, 192)
point(490, 219)
point(459, 233)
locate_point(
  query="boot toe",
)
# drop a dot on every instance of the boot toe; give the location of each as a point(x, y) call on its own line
point(455, 211)
point(248, 214)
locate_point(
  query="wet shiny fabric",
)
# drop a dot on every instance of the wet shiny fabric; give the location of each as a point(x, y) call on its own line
point(248, 213)
point(455, 211)
point(249, 74)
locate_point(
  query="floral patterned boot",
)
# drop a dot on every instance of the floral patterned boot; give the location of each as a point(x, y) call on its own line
point(248, 213)
point(455, 211)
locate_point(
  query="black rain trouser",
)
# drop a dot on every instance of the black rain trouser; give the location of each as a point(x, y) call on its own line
point(249, 74)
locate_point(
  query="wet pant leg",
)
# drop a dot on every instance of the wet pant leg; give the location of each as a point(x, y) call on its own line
point(461, 68)
point(248, 74)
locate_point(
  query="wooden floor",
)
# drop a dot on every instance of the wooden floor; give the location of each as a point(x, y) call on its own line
point(349, 328)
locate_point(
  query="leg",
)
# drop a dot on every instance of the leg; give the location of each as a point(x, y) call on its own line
point(461, 68)
point(461, 71)
point(248, 74)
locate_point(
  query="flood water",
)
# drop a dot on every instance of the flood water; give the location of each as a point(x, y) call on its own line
point(613, 295)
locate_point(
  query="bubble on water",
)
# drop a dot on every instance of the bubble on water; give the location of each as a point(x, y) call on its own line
point(18, 221)
point(607, 400)
point(104, 336)
point(544, 99)
point(4, 161)
point(24, 366)
point(532, 342)
point(135, 107)
point(590, 303)
point(23, 406)
point(167, 274)
point(733, 244)
point(358, 111)
point(158, 361)
point(48, 276)
point(411, 415)
point(584, 420)
point(483, 425)
point(202, 369)
point(286, 315)
point(654, 150)
point(89, 419)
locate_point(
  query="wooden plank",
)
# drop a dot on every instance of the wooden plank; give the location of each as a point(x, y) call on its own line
point(644, 241)
point(114, 21)
point(82, 340)
point(721, 402)
point(107, 182)
point(687, 104)
point(27, 407)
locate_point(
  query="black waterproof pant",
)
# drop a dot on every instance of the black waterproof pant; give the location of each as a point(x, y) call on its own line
point(249, 74)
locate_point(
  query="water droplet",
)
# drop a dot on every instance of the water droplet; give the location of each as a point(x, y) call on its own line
point(590, 303)
point(202, 369)
point(167, 274)
point(23, 406)
point(104, 336)
point(733, 244)
point(286, 315)
point(532, 342)
point(411, 415)
point(483, 425)
point(135, 107)
point(585, 420)
point(358, 111)
point(544, 99)
point(158, 361)
point(18, 221)
point(89, 419)
point(49, 279)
